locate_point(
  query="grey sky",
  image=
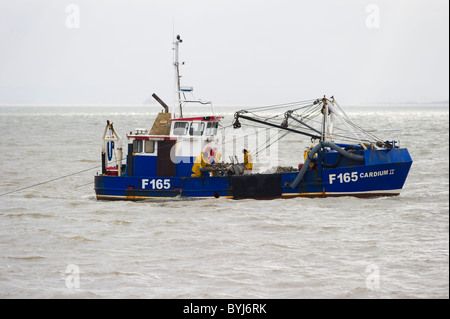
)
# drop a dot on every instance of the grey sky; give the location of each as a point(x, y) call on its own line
point(237, 52)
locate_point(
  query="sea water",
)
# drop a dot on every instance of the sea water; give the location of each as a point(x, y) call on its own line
point(58, 241)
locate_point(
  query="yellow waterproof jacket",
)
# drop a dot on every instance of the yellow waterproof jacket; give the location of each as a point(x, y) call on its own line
point(200, 162)
point(248, 161)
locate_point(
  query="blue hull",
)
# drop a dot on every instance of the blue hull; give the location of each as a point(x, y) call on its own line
point(383, 173)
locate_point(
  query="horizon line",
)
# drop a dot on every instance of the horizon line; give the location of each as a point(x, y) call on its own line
point(443, 103)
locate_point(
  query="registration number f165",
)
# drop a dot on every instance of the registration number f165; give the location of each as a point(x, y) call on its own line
point(156, 183)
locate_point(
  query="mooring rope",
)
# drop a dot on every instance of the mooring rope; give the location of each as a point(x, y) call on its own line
point(49, 181)
point(55, 179)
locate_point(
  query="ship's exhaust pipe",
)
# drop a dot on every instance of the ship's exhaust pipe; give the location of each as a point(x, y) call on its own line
point(164, 105)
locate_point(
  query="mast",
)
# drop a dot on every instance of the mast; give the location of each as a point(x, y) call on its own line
point(177, 76)
point(325, 115)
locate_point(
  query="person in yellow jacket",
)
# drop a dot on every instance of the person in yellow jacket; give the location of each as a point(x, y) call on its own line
point(248, 160)
point(306, 154)
point(201, 161)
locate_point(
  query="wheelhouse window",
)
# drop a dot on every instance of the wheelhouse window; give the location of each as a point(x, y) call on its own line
point(149, 147)
point(137, 146)
point(143, 146)
point(197, 128)
point(211, 128)
point(180, 128)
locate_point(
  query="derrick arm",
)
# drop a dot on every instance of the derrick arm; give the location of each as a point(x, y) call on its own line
point(239, 115)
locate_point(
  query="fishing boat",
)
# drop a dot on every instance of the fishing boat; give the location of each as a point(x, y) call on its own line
point(179, 156)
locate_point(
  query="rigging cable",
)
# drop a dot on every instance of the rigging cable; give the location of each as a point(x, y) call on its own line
point(51, 180)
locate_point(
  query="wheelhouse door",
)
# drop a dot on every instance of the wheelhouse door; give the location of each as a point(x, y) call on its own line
point(165, 166)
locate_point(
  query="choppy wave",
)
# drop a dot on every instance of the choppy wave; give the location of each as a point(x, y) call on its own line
point(215, 248)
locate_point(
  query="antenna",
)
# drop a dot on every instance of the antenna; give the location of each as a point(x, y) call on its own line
point(177, 75)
